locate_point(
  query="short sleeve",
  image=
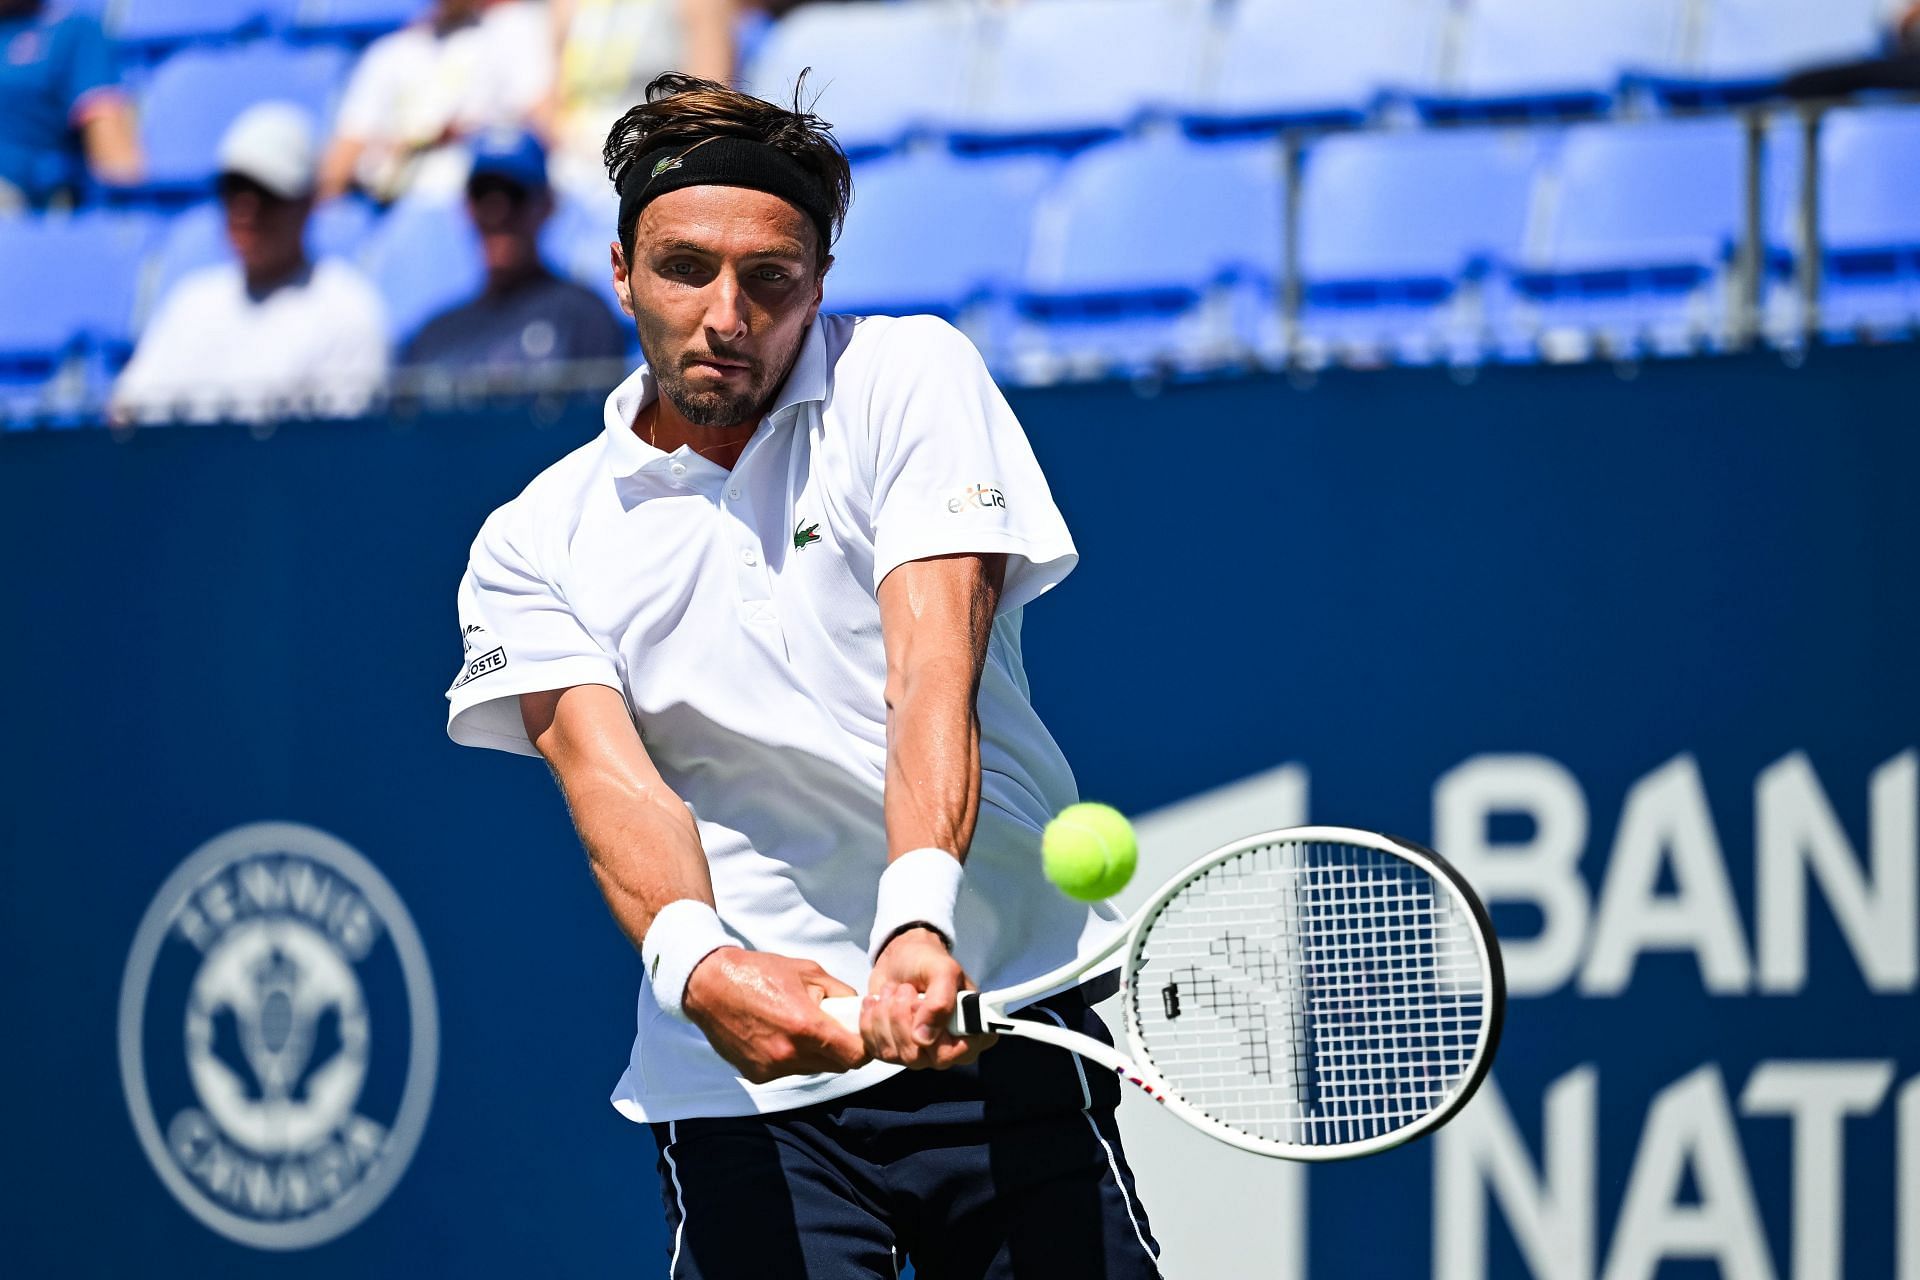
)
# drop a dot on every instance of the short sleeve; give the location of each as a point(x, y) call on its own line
point(91, 66)
point(953, 471)
point(369, 97)
point(518, 636)
point(519, 82)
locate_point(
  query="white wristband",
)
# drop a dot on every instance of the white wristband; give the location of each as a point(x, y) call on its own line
point(684, 932)
point(916, 888)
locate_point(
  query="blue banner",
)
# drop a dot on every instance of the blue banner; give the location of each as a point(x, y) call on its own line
point(297, 987)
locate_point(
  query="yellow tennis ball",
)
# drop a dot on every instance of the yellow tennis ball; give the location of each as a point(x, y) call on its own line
point(1089, 851)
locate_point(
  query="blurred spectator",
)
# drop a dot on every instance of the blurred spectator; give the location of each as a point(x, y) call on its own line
point(607, 52)
point(417, 94)
point(60, 102)
point(271, 334)
point(525, 315)
point(1899, 70)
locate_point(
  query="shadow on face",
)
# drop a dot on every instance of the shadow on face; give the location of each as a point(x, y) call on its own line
point(448, 14)
point(508, 217)
point(722, 285)
point(267, 230)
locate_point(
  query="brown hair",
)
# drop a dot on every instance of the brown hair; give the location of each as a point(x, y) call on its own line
point(681, 108)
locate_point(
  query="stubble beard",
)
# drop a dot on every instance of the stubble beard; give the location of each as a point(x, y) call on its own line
point(716, 408)
point(712, 408)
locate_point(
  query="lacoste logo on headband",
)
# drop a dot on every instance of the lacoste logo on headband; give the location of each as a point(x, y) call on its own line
point(666, 163)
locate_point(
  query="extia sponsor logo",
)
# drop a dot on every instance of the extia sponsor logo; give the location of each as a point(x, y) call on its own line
point(284, 1105)
point(977, 497)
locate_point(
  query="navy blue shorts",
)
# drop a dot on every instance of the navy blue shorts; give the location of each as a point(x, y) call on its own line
point(1009, 1168)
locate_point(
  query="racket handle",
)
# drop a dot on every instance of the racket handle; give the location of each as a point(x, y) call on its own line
point(845, 1010)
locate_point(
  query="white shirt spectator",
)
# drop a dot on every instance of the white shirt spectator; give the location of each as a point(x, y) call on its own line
point(416, 93)
point(610, 49)
point(737, 612)
point(214, 352)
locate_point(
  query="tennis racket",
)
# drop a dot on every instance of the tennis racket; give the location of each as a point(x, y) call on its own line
point(1316, 993)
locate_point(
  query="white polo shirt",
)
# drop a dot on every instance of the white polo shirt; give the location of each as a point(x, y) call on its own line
point(738, 614)
point(415, 86)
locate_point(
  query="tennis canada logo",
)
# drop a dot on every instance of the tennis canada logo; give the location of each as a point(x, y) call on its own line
point(278, 1035)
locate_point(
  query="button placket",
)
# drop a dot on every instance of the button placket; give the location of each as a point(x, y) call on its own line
point(756, 591)
point(756, 585)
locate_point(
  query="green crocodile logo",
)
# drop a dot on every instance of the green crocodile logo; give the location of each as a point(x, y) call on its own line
point(805, 535)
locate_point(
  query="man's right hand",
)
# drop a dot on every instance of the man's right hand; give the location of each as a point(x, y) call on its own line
point(761, 1012)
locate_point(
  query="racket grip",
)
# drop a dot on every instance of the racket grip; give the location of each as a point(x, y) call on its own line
point(845, 1010)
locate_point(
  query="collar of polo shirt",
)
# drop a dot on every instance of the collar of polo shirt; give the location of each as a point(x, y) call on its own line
point(627, 454)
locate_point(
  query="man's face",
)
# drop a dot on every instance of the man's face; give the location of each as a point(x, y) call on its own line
point(722, 287)
point(265, 229)
point(508, 218)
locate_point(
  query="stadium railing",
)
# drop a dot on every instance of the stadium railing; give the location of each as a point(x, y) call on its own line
point(1468, 262)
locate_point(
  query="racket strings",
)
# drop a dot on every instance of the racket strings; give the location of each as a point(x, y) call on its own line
point(1311, 994)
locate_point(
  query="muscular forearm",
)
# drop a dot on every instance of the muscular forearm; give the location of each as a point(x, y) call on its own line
point(642, 846)
point(937, 615)
point(640, 838)
point(759, 1011)
point(933, 758)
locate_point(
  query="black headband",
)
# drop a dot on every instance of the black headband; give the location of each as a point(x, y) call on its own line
point(724, 161)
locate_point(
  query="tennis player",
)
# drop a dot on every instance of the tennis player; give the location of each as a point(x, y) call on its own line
point(765, 630)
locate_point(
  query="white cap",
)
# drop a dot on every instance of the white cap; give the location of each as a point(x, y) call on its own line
point(273, 144)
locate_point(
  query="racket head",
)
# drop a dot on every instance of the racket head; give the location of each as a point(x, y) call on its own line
point(1302, 1042)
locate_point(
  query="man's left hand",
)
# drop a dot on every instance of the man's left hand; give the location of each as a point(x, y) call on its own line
point(909, 1005)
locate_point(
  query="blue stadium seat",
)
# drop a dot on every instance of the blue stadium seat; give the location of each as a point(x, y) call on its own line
point(152, 25)
point(932, 233)
point(1306, 62)
point(81, 274)
point(1634, 256)
point(882, 71)
point(1746, 47)
point(574, 241)
point(197, 93)
point(1066, 73)
point(1520, 58)
point(424, 256)
point(1870, 222)
point(1399, 234)
point(1151, 252)
point(197, 238)
point(354, 20)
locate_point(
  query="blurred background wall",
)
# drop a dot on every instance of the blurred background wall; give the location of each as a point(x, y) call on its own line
point(1632, 645)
